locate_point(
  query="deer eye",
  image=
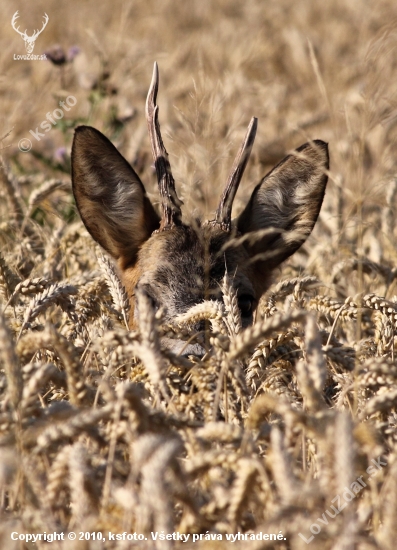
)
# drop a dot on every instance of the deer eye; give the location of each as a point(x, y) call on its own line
point(153, 302)
point(150, 297)
point(245, 303)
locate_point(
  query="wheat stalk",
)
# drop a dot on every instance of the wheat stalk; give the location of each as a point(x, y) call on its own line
point(117, 290)
point(11, 364)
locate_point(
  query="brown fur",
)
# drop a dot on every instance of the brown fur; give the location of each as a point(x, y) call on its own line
point(110, 196)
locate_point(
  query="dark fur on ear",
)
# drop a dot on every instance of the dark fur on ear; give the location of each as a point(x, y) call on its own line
point(110, 196)
point(288, 199)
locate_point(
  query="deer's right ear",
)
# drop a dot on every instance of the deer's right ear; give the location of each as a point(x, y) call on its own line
point(286, 202)
point(110, 196)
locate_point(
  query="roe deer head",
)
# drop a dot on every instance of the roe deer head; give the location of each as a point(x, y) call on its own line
point(177, 264)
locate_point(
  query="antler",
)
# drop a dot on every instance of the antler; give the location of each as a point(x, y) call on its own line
point(24, 34)
point(170, 203)
point(224, 211)
point(36, 33)
point(13, 22)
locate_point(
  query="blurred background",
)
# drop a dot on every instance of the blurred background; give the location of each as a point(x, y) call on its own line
point(307, 70)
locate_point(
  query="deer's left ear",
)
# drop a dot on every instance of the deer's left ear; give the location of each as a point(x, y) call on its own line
point(288, 200)
point(110, 197)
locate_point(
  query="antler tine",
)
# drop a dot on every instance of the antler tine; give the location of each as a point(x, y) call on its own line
point(170, 203)
point(39, 31)
point(224, 211)
point(13, 23)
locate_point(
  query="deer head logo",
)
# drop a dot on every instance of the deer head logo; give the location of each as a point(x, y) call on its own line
point(29, 40)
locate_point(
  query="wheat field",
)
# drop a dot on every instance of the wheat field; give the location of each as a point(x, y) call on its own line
point(284, 434)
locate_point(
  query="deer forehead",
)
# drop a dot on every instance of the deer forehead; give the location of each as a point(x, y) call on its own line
point(190, 260)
